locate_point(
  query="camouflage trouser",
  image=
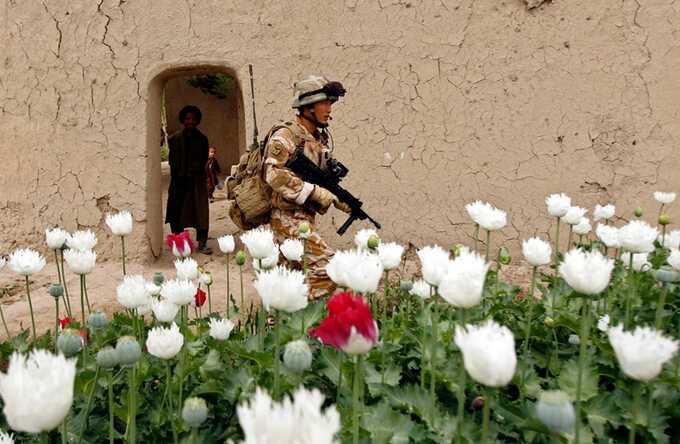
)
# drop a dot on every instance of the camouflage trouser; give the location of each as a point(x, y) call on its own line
point(285, 225)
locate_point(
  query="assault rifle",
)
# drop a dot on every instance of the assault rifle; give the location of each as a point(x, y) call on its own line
point(330, 180)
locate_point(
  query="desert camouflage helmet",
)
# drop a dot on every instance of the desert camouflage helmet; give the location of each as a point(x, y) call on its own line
point(314, 89)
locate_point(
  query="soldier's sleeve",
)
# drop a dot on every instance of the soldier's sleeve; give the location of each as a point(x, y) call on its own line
point(282, 180)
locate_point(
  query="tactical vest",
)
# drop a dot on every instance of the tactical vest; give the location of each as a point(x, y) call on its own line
point(246, 186)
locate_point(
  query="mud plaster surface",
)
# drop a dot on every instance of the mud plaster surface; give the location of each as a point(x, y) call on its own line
point(449, 101)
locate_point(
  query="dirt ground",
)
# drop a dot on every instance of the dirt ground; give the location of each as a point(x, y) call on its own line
point(102, 282)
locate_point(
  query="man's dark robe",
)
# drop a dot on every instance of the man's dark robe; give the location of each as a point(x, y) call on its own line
point(188, 194)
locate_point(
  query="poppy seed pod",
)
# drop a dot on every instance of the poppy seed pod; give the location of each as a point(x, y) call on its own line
point(56, 291)
point(406, 285)
point(128, 350)
point(297, 356)
point(70, 343)
point(194, 412)
point(240, 258)
point(373, 242)
point(97, 320)
point(304, 230)
point(158, 278)
point(107, 357)
point(504, 256)
point(555, 411)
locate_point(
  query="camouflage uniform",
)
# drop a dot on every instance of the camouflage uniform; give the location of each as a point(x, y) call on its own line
point(291, 203)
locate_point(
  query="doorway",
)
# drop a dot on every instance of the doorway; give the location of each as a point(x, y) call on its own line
point(217, 92)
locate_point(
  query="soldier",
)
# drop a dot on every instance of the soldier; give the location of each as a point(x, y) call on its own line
point(293, 200)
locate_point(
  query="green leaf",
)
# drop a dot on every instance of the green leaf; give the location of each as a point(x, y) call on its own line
point(569, 377)
point(391, 376)
point(386, 425)
point(601, 411)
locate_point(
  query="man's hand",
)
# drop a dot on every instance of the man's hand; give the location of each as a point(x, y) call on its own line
point(342, 206)
point(325, 199)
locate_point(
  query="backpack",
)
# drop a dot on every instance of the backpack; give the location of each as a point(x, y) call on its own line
point(247, 188)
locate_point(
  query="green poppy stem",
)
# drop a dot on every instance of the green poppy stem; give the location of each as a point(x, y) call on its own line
point(67, 298)
point(122, 245)
point(56, 326)
point(583, 356)
point(132, 408)
point(356, 406)
point(571, 235)
point(488, 392)
point(88, 405)
point(631, 291)
point(337, 389)
point(87, 297)
point(557, 242)
point(531, 302)
point(423, 337)
point(433, 351)
point(209, 300)
point(4, 323)
point(241, 307)
point(228, 292)
point(112, 430)
point(488, 244)
point(277, 352)
point(658, 321)
point(462, 375)
point(30, 306)
point(636, 412)
point(476, 238)
point(82, 301)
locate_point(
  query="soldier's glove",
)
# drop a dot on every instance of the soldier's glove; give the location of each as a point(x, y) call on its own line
point(323, 197)
point(342, 206)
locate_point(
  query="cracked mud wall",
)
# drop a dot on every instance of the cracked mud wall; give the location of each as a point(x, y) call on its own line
point(449, 101)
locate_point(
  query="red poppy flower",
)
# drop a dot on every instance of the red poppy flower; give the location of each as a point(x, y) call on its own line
point(200, 297)
point(349, 325)
point(63, 323)
point(180, 244)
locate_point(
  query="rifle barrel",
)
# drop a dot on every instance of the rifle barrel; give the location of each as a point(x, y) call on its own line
point(252, 97)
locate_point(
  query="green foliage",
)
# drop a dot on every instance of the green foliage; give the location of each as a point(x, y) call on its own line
point(398, 406)
point(218, 85)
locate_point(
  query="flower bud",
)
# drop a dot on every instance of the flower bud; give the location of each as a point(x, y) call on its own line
point(240, 258)
point(158, 278)
point(504, 256)
point(574, 340)
point(665, 274)
point(195, 412)
point(664, 219)
point(297, 356)
point(97, 320)
point(555, 411)
point(406, 285)
point(373, 242)
point(107, 357)
point(304, 230)
point(205, 278)
point(128, 350)
point(548, 321)
point(56, 291)
point(478, 403)
point(69, 342)
point(638, 212)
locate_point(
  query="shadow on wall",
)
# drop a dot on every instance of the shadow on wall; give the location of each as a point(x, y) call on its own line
point(223, 123)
